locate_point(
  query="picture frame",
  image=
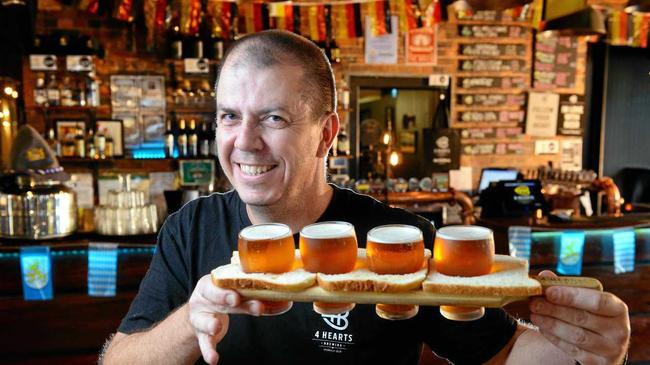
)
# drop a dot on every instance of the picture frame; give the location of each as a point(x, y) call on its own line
point(115, 129)
point(64, 128)
point(196, 172)
point(408, 142)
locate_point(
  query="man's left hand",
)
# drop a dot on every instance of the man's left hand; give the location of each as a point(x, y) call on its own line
point(592, 327)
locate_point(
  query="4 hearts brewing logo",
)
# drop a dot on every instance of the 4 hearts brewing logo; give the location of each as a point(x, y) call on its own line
point(334, 341)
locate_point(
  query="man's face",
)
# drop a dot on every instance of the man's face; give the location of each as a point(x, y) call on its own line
point(269, 145)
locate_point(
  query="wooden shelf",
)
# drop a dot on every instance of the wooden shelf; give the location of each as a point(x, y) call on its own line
point(70, 109)
point(489, 90)
point(494, 22)
point(190, 110)
point(504, 57)
point(491, 40)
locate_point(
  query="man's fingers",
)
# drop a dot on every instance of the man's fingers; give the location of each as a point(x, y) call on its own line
point(206, 322)
point(582, 356)
point(577, 317)
point(580, 337)
point(208, 348)
point(601, 303)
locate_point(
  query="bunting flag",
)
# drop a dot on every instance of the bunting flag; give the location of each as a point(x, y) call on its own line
point(102, 269)
point(190, 16)
point(572, 245)
point(283, 15)
point(296, 19)
point(328, 22)
point(353, 20)
point(90, 6)
point(624, 250)
point(406, 17)
point(260, 17)
point(628, 29)
point(248, 16)
point(222, 17)
point(36, 272)
point(520, 241)
point(124, 10)
point(377, 16)
point(437, 12)
point(317, 27)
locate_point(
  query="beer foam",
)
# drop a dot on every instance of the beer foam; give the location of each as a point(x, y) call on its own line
point(265, 231)
point(328, 230)
point(395, 233)
point(464, 233)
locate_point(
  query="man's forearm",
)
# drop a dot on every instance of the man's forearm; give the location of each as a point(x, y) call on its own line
point(171, 341)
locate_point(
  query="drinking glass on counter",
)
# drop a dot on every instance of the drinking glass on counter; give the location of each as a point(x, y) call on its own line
point(463, 251)
point(267, 248)
point(329, 248)
point(395, 249)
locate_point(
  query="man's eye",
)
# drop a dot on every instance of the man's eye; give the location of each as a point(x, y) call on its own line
point(228, 118)
point(275, 121)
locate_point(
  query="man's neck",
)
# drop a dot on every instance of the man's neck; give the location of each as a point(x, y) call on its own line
point(295, 214)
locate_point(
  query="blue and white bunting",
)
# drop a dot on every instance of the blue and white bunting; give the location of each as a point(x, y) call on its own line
point(520, 241)
point(102, 269)
point(624, 248)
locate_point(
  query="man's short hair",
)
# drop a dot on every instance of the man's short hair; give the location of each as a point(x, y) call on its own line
point(275, 47)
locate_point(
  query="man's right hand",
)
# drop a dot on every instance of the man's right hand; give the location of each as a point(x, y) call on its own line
point(208, 307)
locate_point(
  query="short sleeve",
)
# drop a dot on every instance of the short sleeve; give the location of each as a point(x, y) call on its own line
point(472, 342)
point(164, 287)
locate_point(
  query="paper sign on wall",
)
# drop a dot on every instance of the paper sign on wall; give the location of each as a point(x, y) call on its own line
point(571, 154)
point(421, 46)
point(383, 48)
point(541, 118)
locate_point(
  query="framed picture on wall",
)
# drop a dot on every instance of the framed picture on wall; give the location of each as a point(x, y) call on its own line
point(115, 129)
point(67, 129)
point(408, 141)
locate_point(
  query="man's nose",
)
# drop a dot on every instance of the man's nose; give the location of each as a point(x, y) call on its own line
point(248, 137)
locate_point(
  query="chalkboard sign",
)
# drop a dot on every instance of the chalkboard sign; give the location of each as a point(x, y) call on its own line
point(492, 50)
point(492, 65)
point(492, 116)
point(492, 31)
point(571, 115)
point(486, 15)
point(555, 62)
point(476, 82)
point(492, 99)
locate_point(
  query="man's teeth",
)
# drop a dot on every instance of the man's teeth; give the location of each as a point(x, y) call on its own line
point(255, 169)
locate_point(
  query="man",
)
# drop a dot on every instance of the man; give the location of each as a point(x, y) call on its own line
point(276, 121)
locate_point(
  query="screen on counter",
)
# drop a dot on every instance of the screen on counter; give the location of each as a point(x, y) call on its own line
point(492, 175)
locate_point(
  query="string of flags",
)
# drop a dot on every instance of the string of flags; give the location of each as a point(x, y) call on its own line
point(226, 19)
point(570, 247)
point(37, 270)
point(628, 29)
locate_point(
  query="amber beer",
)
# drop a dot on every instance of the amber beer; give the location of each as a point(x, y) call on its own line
point(463, 251)
point(267, 248)
point(395, 249)
point(329, 248)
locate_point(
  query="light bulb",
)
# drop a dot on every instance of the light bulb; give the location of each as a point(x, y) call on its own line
point(394, 158)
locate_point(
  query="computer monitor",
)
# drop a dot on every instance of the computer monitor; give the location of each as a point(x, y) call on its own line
point(493, 174)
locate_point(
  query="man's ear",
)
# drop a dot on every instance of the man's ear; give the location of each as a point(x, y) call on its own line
point(329, 131)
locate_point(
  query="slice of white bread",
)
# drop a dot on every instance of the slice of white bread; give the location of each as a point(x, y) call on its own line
point(509, 277)
point(232, 276)
point(362, 279)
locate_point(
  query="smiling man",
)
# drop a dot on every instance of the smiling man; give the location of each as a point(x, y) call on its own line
point(276, 121)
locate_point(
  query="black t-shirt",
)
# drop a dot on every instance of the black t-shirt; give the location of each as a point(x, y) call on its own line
point(203, 235)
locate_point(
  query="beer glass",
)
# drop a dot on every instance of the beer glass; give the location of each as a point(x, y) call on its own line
point(395, 249)
point(463, 251)
point(329, 248)
point(267, 248)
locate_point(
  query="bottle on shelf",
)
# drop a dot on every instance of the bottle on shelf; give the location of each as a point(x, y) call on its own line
point(40, 92)
point(91, 150)
point(53, 92)
point(54, 143)
point(92, 90)
point(193, 140)
point(109, 147)
point(343, 144)
point(334, 52)
point(100, 144)
point(204, 140)
point(79, 92)
point(175, 43)
point(79, 144)
point(67, 98)
point(182, 139)
point(68, 148)
point(168, 139)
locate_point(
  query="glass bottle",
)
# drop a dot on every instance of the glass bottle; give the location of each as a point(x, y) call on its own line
point(40, 93)
point(79, 144)
point(53, 93)
point(182, 139)
point(204, 140)
point(109, 148)
point(168, 139)
point(66, 93)
point(193, 140)
point(100, 144)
